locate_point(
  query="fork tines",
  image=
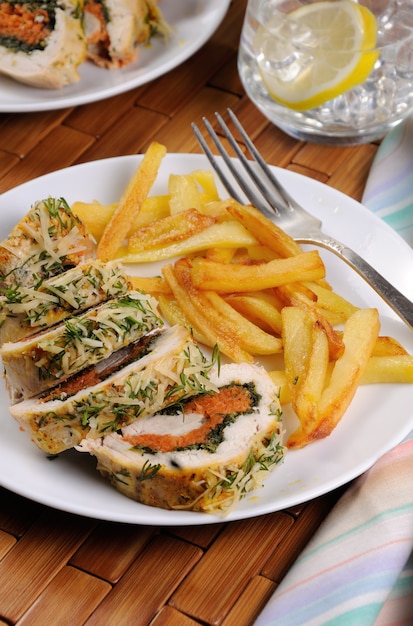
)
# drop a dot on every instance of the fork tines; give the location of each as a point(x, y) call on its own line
point(262, 176)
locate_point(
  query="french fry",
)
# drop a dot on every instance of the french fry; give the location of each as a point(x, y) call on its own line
point(334, 307)
point(96, 216)
point(279, 378)
point(265, 231)
point(224, 319)
point(309, 390)
point(220, 255)
point(248, 334)
point(296, 294)
point(259, 310)
point(388, 346)
point(226, 235)
point(168, 230)
point(219, 209)
point(301, 296)
point(206, 180)
point(131, 202)
point(236, 277)
point(297, 338)
point(193, 312)
point(173, 314)
point(155, 285)
point(389, 369)
point(184, 193)
point(257, 253)
point(360, 335)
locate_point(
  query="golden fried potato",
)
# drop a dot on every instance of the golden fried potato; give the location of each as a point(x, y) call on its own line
point(280, 379)
point(235, 277)
point(154, 285)
point(265, 231)
point(131, 202)
point(225, 235)
point(259, 309)
point(193, 310)
point(168, 230)
point(389, 369)
point(388, 346)
point(360, 335)
point(95, 216)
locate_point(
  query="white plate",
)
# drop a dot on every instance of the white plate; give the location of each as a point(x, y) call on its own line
point(194, 21)
point(379, 417)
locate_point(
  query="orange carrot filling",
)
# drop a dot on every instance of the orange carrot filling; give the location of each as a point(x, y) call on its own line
point(227, 400)
point(19, 22)
point(99, 36)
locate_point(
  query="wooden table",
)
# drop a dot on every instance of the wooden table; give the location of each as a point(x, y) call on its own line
point(61, 569)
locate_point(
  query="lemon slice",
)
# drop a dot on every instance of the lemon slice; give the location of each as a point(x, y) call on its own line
point(316, 52)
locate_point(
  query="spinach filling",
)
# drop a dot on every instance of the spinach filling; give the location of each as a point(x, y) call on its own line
point(215, 436)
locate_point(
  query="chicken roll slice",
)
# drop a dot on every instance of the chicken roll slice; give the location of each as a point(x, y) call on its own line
point(26, 310)
point(202, 454)
point(41, 361)
point(47, 241)
point(167, 367)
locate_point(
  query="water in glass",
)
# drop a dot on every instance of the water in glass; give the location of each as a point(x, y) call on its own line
point(329, 71)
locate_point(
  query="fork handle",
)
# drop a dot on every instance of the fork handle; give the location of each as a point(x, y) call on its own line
point(394, 298)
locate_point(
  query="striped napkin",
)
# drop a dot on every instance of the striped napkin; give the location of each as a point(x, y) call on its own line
point(389, 189)
point(358, 568)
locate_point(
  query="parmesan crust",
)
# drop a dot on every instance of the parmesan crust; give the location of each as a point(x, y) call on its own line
point(25, 310)
point(49, 240)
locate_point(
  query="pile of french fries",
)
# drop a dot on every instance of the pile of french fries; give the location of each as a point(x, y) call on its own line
point(242, 284)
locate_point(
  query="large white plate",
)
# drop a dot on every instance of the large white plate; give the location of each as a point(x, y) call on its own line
point(379, 417)
point(194, 21)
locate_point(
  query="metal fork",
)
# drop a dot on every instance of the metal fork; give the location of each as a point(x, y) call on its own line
point(266, 193)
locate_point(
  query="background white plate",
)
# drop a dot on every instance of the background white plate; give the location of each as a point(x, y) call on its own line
point(379, 417)
point(194, 21)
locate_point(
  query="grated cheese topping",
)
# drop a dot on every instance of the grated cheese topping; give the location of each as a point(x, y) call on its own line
point(54, 299)
point(46, 242)
point(83, 340)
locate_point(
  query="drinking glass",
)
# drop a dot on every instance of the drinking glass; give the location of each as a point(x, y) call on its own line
point(373, 93)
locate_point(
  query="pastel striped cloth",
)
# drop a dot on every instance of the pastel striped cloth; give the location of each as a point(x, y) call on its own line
point(389, 189)
point(358, 568)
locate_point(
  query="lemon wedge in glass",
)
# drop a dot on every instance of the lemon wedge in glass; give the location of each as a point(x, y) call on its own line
point(316, 52)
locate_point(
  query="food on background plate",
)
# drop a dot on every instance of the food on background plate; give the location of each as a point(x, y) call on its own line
point(115, 29)
point(42, 44)
point(41, 361)
point(202, 454)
